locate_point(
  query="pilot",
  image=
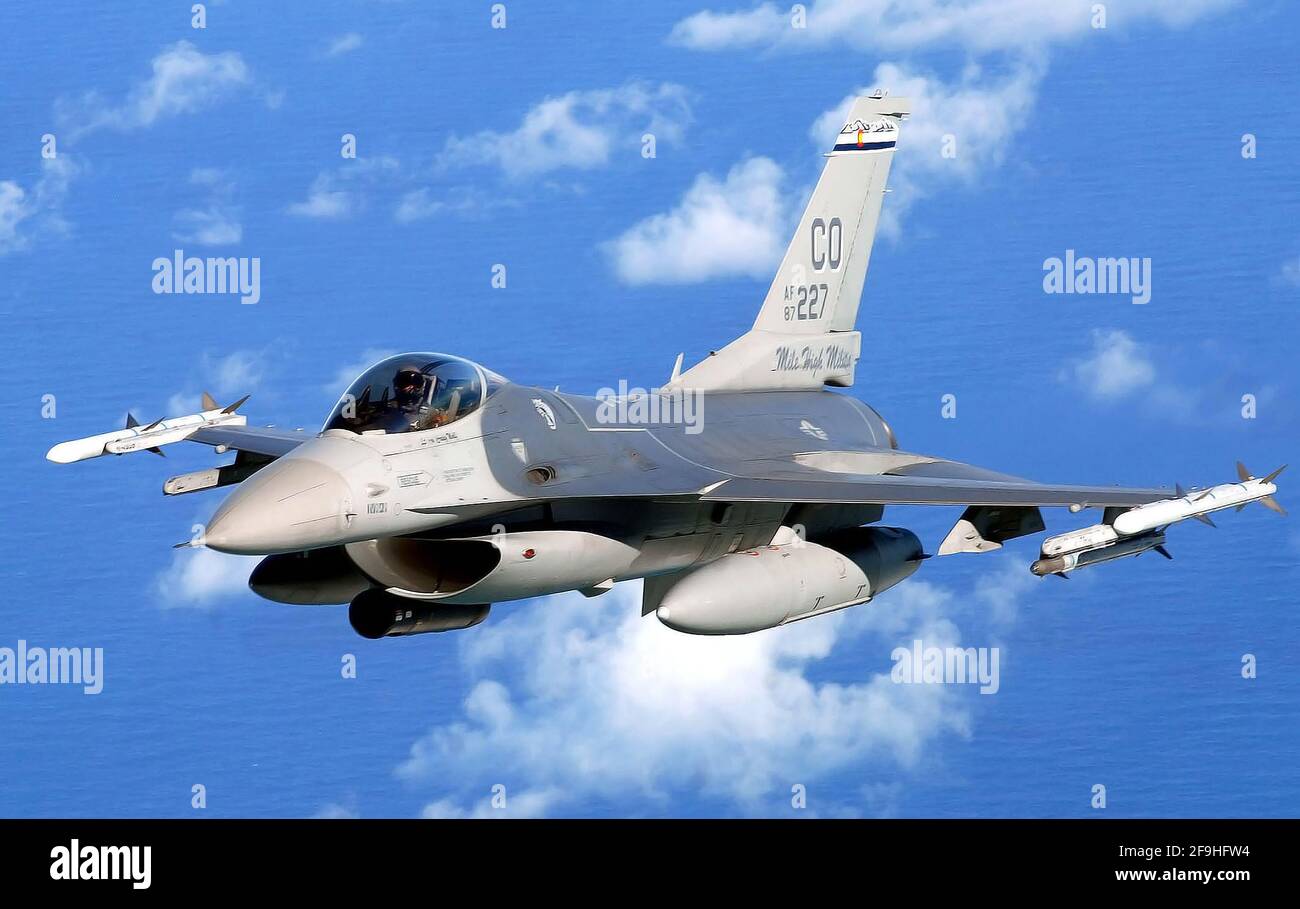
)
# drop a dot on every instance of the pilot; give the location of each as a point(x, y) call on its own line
point(408, 388)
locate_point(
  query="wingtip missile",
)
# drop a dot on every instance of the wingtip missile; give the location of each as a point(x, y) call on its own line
point(151, 438)
point(1138, 529)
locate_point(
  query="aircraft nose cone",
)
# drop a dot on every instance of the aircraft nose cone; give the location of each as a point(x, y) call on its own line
point(289, 505)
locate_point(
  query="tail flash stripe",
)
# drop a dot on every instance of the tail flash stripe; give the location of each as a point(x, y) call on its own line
point(865, 146)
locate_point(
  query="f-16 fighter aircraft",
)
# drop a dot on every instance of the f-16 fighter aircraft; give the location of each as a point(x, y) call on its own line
point(436, 487)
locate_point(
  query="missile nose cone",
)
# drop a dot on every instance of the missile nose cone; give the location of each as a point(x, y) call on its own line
point(289, 505)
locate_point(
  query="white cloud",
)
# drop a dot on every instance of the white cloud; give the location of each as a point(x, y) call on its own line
point(336, 811)
point(596, 702)
point(978, 26)
point(342, 192)
point(975, 119)
point(216, 223)
point(202, 577)
point(719, 229)
point(418, 204)
point(350, 371)
point(25, 213)
point(421, 203)
point(982, 110)
point(227, 378)
point(1117, 367)
point(324, 201)
point(528, 804)
point(579, 130)
point(1290, 269)
point(184, 80)
point(344, 44)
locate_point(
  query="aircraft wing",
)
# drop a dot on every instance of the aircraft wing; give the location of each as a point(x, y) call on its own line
point(887, 489)
point(912, 480)
point(908, 479)
point(262, 440)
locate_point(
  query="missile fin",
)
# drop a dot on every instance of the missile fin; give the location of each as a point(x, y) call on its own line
point(153, 425)
point(210, 403)
point(1203, 495)
point(1164, 552)
point(1242, 473)
point(1273, 476)
point(238, 404)
point(158, 451)
point(1205, 519)
point(1241, 506)
point(1271, 503)
point(131, 421)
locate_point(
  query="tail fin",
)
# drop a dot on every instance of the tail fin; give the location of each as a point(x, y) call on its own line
point(804, 335)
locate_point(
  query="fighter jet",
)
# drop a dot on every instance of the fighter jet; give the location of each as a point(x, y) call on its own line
point(745, 491)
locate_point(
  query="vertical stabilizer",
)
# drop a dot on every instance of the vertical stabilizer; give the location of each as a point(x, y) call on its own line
point(804, 336)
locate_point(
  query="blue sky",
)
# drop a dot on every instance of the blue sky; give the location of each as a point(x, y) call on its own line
point(522, 146)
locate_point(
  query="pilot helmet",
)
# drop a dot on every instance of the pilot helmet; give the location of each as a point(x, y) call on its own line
point(408, 386)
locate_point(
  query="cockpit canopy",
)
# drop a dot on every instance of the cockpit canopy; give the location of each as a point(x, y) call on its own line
point(412, 392)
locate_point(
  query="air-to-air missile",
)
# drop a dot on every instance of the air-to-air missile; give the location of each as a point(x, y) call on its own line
point(137, 437)
point(1137, 530)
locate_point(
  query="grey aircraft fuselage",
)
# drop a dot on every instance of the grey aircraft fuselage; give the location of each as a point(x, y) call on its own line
point(533, 459)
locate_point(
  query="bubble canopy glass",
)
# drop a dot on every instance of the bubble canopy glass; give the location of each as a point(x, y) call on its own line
point(412, 392)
